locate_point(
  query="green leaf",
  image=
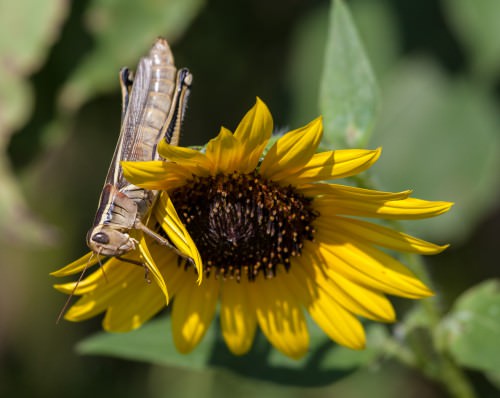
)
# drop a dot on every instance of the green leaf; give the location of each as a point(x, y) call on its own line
point(152, 343)
point(26, 49)
point(494, 378)
point(377, 25)
point(349, 96)
point(330, 356)
point(121, 37)
point(377, 28)
point(476, 24)
point(439, 138)
point(27, 31)
point(306, 60)
point(471, 331)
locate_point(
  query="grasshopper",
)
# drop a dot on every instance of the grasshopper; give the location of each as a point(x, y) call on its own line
point(153, 107)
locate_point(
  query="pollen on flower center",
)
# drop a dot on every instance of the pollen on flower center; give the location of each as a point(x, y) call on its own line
point(243, 224)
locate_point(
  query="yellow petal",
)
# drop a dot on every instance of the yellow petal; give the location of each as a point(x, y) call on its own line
point(152, 267)
point(187, 157)
point(224, 152)
point(336, 191)
point(405, 209)
point(77, 266)
point(334, 164)
point(280, 316)
point(292, 151)
point(111, 269)
point(253, 132)
point(351, 296)
point(115, 285)
point(337, 322)
point(84, 286)
point(175, 274)
point(85, 308)
point(350, 229)
point(170, 222)
point(370, 268)
point(192, 313)
point(237, 317)
point(156, 175)
point(130, 311)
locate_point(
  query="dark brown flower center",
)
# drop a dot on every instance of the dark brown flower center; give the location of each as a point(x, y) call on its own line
point(243, 224)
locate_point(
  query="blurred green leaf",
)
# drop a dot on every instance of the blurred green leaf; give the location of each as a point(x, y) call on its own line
point(121, 37)
point(476, 23)
point(377, 26)
point(471, 330)
point(27, 30)
point(349, 95)
point(440, 138)
point(332, 356)
point(325, 362)
point(305, 65)
point(151, 343)
point(494, 378)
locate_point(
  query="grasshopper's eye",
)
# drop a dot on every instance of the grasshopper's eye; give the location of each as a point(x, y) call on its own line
point(101, 237)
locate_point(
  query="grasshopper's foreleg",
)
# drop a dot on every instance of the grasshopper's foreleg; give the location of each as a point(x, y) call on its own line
point(160, 239)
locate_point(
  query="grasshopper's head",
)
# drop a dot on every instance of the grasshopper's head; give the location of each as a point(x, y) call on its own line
point(109, 241)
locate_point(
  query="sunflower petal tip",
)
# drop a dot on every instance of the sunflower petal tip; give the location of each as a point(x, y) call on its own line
point(297, 355)
point(358, 345)
point(442, 248)
point(318, 122)
point(62, 272)
point(443, 207)
point(60, 287)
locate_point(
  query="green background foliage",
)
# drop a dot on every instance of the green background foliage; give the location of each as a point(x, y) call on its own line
point(430, 98)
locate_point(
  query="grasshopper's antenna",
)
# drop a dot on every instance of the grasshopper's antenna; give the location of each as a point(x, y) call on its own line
point(63, 310)
point(101, 266)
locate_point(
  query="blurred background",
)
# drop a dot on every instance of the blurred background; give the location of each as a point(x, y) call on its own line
point(438, 67)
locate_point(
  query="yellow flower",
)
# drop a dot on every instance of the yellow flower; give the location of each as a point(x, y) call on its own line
point(275, 243)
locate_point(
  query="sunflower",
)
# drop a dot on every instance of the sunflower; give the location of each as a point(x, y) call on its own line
point(276, 242)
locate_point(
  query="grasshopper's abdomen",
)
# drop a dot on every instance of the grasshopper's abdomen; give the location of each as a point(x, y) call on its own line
point(159, 98)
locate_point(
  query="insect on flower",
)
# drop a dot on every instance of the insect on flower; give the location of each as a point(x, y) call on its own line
point(153, 107)
point(277, 237)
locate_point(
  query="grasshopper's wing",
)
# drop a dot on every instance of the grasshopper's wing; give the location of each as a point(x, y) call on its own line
point(131, 122)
